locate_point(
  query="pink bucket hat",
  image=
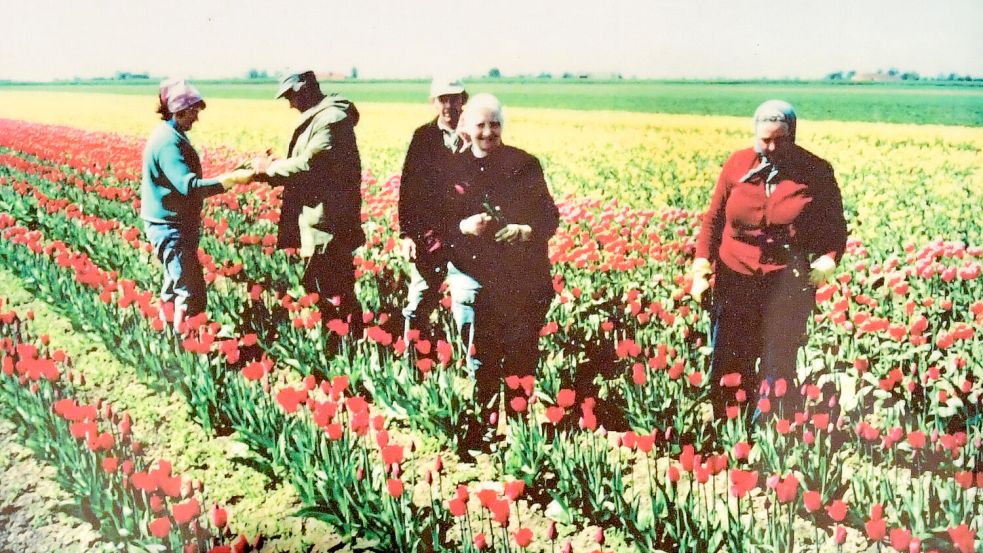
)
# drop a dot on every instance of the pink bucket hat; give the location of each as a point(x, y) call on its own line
point(179, 94)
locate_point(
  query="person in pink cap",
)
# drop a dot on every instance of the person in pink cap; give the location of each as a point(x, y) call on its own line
point(171, 195)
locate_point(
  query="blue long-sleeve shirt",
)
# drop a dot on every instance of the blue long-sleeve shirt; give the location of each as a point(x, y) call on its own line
point(172, 188)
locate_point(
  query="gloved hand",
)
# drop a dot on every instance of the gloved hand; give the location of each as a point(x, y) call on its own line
point(822, 270)
point(407, 248)
point(699, 273)
point(513, 233)
point(232, 178)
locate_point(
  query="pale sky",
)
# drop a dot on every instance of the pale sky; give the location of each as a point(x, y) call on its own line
point(49, 39)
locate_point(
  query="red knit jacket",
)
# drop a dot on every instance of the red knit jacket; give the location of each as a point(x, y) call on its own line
point(753, 233)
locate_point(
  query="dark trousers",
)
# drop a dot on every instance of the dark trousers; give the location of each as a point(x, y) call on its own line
point(331, 274)
point(506, 341)
point(758, 317)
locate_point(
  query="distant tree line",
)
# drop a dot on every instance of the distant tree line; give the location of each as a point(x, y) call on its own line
point(495, 73)
point(894, 74)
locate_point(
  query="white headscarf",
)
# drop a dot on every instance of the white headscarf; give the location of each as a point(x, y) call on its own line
point(776, 111)
point(771, 111)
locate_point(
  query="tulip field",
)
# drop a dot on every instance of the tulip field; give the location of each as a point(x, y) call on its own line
point(263, 427)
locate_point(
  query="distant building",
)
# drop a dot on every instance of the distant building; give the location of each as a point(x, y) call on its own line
point(598, 76)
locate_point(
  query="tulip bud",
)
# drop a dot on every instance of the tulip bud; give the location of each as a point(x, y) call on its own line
point(551, 531)
point(840, 535)
point(219, 516)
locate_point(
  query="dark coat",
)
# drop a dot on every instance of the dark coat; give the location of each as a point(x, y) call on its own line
point(509, 185)
point(322, 166)
point(420, 196)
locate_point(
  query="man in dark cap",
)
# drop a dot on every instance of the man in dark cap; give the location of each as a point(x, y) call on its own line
point(321, 178)
point(420, 196)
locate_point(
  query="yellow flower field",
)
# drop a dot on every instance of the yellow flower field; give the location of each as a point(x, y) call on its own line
point(643, 160)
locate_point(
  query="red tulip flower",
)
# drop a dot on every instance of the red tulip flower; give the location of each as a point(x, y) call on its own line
point(788, 489)
point(836, 510)
point(219, 516)
point(160, 527)
point(876, 529)
point(523, 537)
point(900, 539)
point(394, 487)
point(813, 501)
point(187, 511)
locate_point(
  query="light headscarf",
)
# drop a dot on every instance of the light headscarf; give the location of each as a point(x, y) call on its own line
point(771, 111)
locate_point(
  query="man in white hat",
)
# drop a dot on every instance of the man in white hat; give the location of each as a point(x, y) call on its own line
point(419, 203)
point(322, 199)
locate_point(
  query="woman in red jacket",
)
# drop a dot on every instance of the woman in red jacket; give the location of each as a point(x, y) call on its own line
point(773, 232)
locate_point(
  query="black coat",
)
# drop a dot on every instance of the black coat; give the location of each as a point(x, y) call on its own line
point(509, 184)
point(420, 197)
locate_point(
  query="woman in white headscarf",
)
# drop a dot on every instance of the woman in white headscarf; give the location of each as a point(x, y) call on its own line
point(774, 231)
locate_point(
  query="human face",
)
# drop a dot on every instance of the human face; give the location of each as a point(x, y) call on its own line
point(186, 118)
point(486, 131)
point(448, 107)
point(772, 138)
point(291, 98)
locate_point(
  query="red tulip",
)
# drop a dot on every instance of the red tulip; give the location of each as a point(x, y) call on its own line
point(160, 527)
point(836, 510)
point(876, 528)
point(514, 489)
point(554, 414)
point(457, 507)
point(219, 516)
point(523, 537)
point(566, 398)
point(812, 501)
point(110, 464)
point(500, 512)
point(788, 489)
point(518, 404)
point(695, 378)
point(394, 487)
point(187, 511)
point(900, 539)
point(741, 482)
point(963, 538)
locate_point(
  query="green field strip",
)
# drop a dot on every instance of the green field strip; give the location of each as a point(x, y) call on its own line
point(945, 104)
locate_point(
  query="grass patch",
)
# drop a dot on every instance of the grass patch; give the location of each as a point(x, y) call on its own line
point(920, 103)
